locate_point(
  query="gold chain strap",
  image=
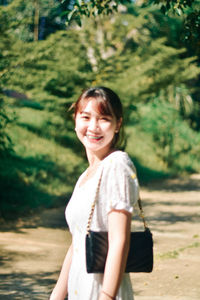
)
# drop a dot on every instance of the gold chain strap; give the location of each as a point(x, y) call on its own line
point(93, 205)
point(141, 214)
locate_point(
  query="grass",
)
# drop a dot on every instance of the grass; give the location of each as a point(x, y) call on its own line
point(41, 173)
point(48, 159)
point(140, 148)
point(149, 165)
point(175, 253)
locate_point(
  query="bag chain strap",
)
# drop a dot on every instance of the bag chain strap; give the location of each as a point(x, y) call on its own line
point(141, 214)
point(93, 206)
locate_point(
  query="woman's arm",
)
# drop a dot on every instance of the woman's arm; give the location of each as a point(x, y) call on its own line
point(119, 226)
point(61, 288)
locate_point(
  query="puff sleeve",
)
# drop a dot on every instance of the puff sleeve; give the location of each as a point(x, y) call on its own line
point(119, 183)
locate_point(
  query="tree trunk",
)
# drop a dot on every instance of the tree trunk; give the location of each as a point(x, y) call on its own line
point(36, 20)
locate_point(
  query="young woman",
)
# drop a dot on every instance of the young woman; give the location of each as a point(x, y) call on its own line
point(98, 125)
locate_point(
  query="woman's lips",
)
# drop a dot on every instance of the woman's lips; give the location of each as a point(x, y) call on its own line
point(93, 137)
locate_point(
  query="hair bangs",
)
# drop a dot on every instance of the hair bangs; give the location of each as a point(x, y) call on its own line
point(103, 106)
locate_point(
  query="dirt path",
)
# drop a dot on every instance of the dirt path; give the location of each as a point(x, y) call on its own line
point(32, 251)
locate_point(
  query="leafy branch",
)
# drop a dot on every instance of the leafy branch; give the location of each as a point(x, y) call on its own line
point(91, 8)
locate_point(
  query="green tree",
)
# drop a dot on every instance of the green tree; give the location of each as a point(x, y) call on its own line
point(35, 19)
point(6, 145)
point(173, 138)
point(189, 9)
point(181, 16)
point(52, 73)
point(123, 55)
point(9, 54)
point(92, 8)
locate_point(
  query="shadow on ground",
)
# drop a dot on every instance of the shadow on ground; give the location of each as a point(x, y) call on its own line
point(184, 184)
point(162, 209)
point(48, 218)
point(26, 286)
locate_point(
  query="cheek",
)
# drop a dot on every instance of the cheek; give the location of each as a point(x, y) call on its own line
point(111, 127)
point(109, 131)
point(78, 124)
point(81, 128)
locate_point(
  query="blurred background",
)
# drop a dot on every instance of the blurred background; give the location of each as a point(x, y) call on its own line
point(146, 51)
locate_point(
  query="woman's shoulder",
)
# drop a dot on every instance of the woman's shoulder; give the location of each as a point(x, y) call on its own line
point(119, 158)
point(118, 167)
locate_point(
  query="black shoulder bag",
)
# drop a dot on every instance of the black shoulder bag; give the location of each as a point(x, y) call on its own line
point(140, 257)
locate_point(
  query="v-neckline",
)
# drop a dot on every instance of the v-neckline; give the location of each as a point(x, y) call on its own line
point(82, 185)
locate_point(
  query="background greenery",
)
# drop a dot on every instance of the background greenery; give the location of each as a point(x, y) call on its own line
point(147, 51)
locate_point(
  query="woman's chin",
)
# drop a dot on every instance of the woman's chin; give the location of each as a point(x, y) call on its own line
point(93, 146)
point(96, 145)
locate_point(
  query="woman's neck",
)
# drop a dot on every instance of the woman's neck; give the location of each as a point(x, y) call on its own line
point(95, 158)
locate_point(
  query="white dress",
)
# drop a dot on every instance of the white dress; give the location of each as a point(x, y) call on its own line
point(118, 190)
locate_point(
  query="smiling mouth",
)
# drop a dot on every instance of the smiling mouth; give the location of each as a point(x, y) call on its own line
point(92, 137)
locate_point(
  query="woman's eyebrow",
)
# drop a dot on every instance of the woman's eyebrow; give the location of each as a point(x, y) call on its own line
point(85, 112)
point(88, 113)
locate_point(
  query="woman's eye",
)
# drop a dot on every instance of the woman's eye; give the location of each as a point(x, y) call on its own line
point(84, 117)
point(105, 119)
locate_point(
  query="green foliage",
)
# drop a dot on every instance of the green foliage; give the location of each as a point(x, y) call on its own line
point(6, 145)
point(41, 172)
point(131, 52)
point(124, 55)
point(189, 10)
point(177, 6)
point(35, 19)
point(140, 146)
point(55, 65)
point(92, 9)
point(9, 46)
point(7, 60)
point(172, 136)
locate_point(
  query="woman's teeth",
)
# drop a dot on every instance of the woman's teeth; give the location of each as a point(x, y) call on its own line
point(94, 137)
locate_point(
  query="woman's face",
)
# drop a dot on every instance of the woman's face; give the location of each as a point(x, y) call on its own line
point(94, 130)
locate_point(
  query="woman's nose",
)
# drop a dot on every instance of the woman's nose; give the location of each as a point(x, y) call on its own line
point(93, 125)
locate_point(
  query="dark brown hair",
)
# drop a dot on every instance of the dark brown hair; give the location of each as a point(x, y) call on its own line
point(108, 103)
